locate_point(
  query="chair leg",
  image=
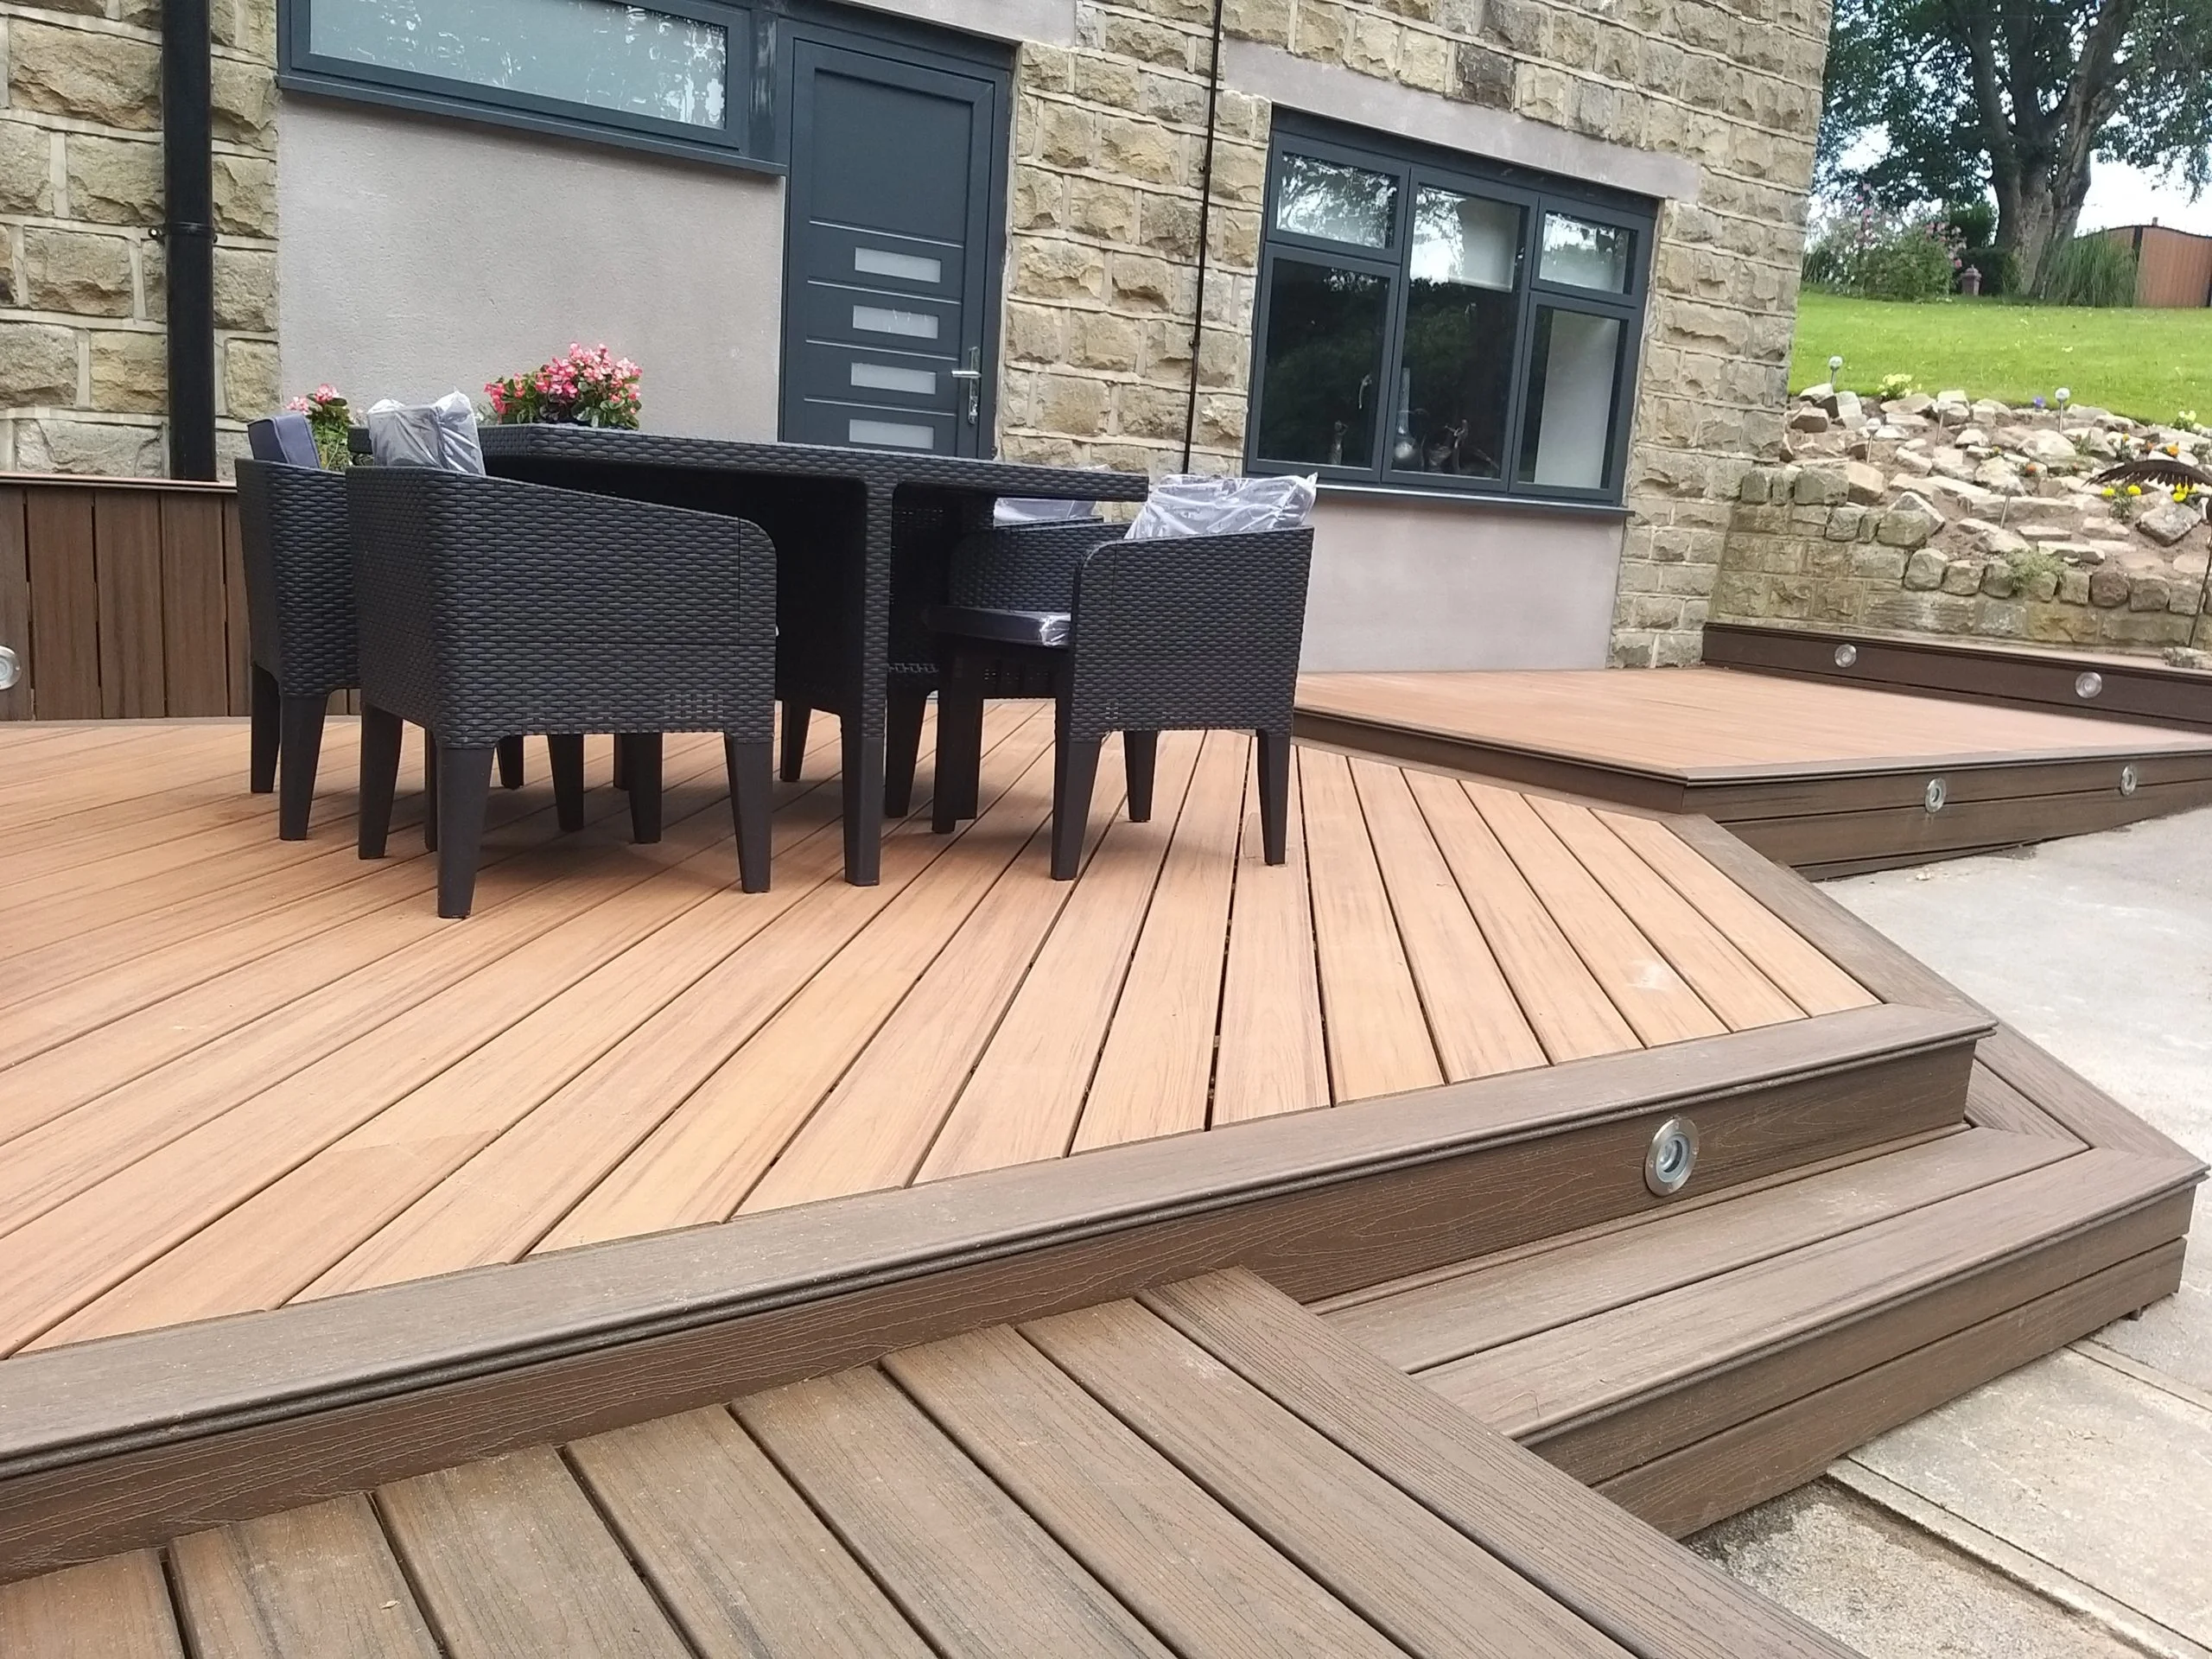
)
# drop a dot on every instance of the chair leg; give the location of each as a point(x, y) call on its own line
point(380, 737)
point(796, 717)
point(262, 767)
point(1074, 769)
point(298, 747)
point(464, 785)
point(621, 771)
point(908, 707)
point(430, 790)
point(959, 755)
point(1141, 751)
point(642, 752)
point(567, 752)
point(510, 752)
point(752, 788)
point(1275, 794)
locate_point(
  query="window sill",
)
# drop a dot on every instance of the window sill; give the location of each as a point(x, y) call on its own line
point(1472, 499)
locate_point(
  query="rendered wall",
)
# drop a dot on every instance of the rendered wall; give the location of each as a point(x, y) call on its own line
point(1410, 584)
point(421, 254)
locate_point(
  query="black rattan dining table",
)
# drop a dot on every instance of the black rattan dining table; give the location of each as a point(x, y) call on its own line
point(863, 542)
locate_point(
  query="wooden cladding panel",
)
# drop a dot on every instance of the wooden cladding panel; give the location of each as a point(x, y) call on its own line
point(122, 603)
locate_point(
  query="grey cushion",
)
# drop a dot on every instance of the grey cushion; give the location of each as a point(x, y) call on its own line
point(286, 438)
point(1002, 627)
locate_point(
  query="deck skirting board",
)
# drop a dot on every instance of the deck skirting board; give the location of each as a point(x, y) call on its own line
point(106, 1446)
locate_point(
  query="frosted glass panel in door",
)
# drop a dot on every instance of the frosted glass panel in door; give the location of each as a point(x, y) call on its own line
point(1568, 436)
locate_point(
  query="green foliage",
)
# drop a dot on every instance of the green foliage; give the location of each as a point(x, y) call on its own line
point(1894, 385)
point(2097, 271)
point(1911, 266)
point(2032, 562)
point(2144, 364)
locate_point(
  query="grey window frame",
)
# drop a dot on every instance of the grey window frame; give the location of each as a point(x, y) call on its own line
point(1414, 166)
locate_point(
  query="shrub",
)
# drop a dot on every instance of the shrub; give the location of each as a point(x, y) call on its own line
point(590, 386)
point(2094, 269)
point(1894, 385)
point(1914, 264)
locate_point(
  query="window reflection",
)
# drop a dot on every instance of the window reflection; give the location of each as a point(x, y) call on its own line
point(612, 57)
point(1585, 254)
point(1567, 439)
point(1323, 349)
point(1456, 379)
point(1335, 202)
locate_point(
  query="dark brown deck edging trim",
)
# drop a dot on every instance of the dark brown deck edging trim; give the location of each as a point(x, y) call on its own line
point(2146, 690)
point(107, 1444)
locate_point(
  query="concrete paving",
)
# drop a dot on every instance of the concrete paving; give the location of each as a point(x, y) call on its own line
point(2065, 1509)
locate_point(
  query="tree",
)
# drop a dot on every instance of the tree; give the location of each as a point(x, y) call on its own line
point(2017, 98)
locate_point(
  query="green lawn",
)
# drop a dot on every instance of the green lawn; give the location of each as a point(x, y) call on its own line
point(2143, 364)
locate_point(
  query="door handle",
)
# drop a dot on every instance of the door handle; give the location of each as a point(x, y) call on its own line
point(972, 374)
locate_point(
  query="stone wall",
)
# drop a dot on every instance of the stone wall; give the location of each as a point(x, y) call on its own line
point(83, 352)
point(1105, 194)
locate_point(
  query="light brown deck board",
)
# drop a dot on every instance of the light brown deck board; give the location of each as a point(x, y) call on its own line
point(336, 1090)
point(320, 1581)
point(113, 1609)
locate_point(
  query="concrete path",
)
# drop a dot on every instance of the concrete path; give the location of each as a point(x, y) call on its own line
point(2066, 1509)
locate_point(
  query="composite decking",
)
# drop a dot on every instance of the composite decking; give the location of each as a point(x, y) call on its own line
point(1826, 778)
point(1206, 1472)
point(235, 1073)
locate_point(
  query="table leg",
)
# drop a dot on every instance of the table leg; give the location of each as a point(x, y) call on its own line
point(863, 784)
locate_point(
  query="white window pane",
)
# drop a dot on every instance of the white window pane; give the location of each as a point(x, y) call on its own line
point(1465, 239)
point(612, 57)
point(881, 320)
point(910, 267)
point(897, 435)
point(1584, 254)
point(885, 376)
point(1328, 198)
point(1570, 420)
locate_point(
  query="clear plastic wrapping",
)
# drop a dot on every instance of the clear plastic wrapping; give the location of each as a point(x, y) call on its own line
point(440, 434)
point(1189, 503)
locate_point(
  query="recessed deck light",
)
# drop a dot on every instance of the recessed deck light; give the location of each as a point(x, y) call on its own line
point(1667, 1166)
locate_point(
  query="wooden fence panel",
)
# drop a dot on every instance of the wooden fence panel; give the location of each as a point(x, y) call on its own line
point(195, 621)
point(121, 598)
point(65, 605)
point(15, 603)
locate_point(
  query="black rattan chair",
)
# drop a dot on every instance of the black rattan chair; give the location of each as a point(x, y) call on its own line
point(299, 583)
point(1182, 634)
point(489, 607)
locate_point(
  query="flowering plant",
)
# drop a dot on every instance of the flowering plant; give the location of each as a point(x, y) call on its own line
point(588, 387)
point(329, 419)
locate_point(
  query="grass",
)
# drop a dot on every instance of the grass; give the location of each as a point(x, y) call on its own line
point(2146, 365)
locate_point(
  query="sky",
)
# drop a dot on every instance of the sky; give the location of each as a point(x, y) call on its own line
point(2127, 195)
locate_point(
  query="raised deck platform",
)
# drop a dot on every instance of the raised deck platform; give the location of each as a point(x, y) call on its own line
point(264, 1082)
point(1829, 779)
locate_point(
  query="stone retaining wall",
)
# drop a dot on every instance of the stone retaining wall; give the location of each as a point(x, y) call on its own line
point(83, 375)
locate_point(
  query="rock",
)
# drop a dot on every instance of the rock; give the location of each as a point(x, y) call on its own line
point(1951, 463)
point(1909, 523)
point(2043, 585)
point(1964, 497)
point(1999, 475)
point(26, 169)
point(1818, 394)
point(69, 270)
point(1924, 570)
point(113, 181)
point(1889, 431)
point(2183, 657)
point(1993, 541)
point(1863, 483)
point(1843, 524)
point(1808, 418)
point(2149, 594)
point(1845, 407)
point(1952, 395)
point(1949, 414)
point(1914, 461)
point(1988, 411)
point(1821, 486)
point(2073, 588)
point(2049, 448)
point(2042, 533)
point(1964, 576)
point(2167, 523)
point(2075, 552)
point(1999, 580)
point(2108, 589)
point(1971, 437)
point(38, 364)
point(1756, 486)
point(1913, 402)
point(105, 79)
point(112, 450)
point(130, 372)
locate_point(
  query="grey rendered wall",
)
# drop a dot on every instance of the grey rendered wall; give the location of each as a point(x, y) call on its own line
point(418, 255)
point(1411, 584)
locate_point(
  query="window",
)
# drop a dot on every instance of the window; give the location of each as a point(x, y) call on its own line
point(1427, 321)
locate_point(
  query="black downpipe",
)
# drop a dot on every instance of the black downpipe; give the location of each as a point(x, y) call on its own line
point(187, 235)
point(1205, 226)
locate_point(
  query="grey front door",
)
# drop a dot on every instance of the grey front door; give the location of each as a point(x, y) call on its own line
point(891, 258)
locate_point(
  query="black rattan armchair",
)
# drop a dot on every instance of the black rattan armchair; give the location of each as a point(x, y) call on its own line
point(489, 607)
point(1181, 633)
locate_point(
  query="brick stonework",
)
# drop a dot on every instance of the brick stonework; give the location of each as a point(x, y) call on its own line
point(1109, 137)
point(84, 374)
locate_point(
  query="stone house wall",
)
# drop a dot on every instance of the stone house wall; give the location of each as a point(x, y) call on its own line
point(1105, 191)
point(83, 352)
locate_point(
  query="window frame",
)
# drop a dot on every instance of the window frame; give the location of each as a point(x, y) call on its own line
point(1416, 167)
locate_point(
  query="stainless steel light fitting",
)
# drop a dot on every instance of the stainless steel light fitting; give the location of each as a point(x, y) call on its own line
point(1673, 1155)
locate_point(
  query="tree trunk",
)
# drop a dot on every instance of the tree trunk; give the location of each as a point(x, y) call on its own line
point(2037, 213)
